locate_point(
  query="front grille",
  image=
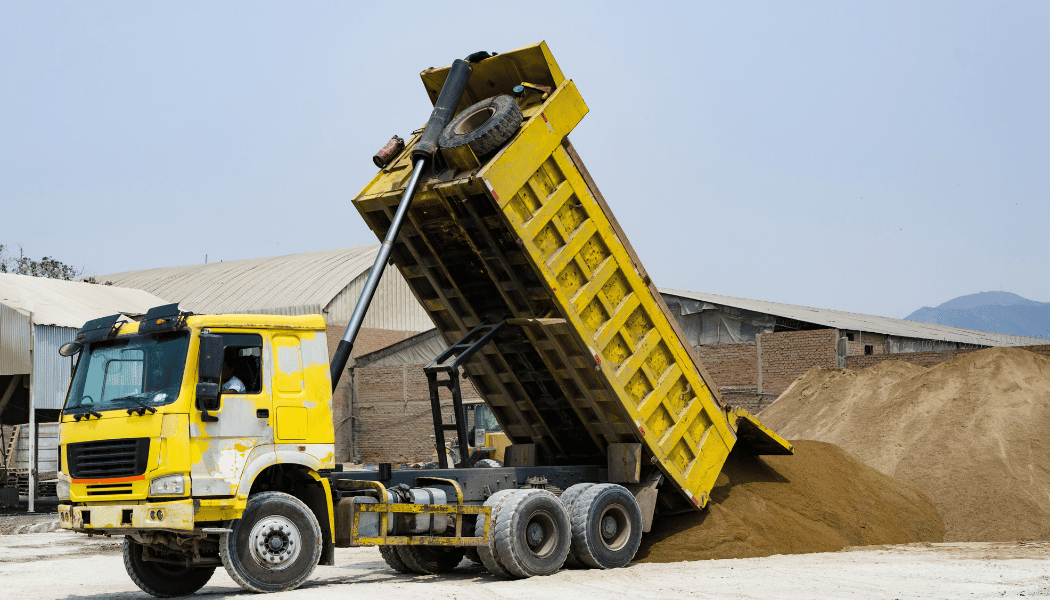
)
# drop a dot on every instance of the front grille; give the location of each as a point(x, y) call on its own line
point(109, 490)
point(108, 458)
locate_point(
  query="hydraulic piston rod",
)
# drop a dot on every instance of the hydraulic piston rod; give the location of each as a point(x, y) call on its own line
point(422, 155)
point(346, 345)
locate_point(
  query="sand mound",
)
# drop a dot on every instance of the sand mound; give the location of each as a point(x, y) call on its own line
point(819, 500)
point(973, 434)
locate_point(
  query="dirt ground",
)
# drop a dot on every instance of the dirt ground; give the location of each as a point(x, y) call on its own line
point(67, 566)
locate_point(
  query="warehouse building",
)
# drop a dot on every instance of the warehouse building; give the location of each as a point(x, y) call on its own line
point(755, 349)
point(37, 316)
point(327, 282)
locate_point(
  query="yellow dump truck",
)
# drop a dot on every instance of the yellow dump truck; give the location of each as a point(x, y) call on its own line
point(207, 440)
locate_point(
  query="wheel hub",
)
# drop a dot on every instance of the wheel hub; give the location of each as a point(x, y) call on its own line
point(614, 526)
point(534, 535)
point(275, 542)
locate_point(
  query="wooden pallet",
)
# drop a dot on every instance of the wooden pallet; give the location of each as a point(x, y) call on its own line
point(9, 451)
point(45, 486)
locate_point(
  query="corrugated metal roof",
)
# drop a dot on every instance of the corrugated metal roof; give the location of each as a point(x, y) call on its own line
point(71, 303)
point(857, 322)
point(419, 349)
point(278, 283)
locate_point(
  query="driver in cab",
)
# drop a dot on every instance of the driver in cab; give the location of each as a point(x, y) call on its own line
point(230, 382)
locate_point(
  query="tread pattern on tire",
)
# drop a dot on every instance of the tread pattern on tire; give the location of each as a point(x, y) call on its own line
point(568, 499)
point(430, 559)
point(507, 526)
point(490, 135)
point(392, 558)
point(189, 583)
point(487, 553)
point(230, 561)
point(582, 543)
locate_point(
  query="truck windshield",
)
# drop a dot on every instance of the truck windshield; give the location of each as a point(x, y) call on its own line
point(137, 371)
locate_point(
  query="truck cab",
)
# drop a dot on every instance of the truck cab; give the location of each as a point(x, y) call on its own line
point(172, 423)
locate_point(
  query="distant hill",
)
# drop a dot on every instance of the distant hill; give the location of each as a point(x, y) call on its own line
point(997, 312)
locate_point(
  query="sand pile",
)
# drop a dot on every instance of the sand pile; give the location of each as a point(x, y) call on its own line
point(819, 500)
point(973, 434)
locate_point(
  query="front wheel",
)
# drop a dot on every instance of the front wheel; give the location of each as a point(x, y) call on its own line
point(274, 546)
point(163, 579)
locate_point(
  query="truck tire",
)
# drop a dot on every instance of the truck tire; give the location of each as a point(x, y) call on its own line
point(533, 534)
point(487, 553)
point(484, 127)
point(160, 579)
point(606, 526)
point(432, 560)
point(488, 463)
point(393, 559)
point(274, 546)
point(568, 499)
point(471, 553)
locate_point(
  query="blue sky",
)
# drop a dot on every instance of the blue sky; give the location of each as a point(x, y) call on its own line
point(872, 157)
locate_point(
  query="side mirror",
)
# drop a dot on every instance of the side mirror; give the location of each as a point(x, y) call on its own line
point(208, 395)
point(209, 366)
point(209, 372)
point(69, 348)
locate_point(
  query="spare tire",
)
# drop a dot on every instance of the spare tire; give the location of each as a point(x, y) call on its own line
point(484, 126)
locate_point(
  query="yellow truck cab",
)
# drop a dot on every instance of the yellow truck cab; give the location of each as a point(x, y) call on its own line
point(173, 423)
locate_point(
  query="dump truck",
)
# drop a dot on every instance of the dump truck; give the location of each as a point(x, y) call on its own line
point(207, 440)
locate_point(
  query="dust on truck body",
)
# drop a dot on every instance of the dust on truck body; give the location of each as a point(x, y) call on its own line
point(512, 251)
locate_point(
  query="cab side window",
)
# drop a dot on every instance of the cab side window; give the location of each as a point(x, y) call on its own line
point(241, 363)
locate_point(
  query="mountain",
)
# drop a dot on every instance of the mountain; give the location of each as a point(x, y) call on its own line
point(997, 312)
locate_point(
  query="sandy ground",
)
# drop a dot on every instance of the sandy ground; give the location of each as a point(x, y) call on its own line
point(63, 565)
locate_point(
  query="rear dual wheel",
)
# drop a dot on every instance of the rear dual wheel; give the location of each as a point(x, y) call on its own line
point(530, 534)
point(430, 559)
point(606, 526)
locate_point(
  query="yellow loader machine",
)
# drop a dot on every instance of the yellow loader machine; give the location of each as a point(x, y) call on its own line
point(207, 440)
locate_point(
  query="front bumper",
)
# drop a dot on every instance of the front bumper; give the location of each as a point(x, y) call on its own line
point(175, 515)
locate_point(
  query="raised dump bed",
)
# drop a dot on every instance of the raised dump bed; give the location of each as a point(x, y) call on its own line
point(591, 357)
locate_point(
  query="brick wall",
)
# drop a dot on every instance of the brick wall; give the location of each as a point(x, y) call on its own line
point(731, 365)
point(393, 419)
point(789, 354)
point(368, 340)
point(785, 356)
point(924, 359)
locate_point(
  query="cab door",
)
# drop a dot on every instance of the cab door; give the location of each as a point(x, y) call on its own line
point(220, 448)
point(289, 390)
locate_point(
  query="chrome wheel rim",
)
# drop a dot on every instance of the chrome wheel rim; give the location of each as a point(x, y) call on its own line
point(275, 543)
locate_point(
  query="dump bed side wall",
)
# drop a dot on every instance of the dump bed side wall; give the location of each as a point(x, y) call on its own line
point(594, 359)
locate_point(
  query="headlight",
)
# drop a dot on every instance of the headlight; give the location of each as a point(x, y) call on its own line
point(169, 485)
point(62, 489)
